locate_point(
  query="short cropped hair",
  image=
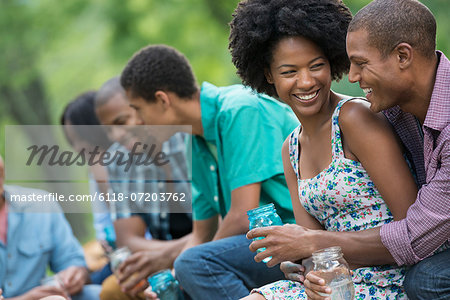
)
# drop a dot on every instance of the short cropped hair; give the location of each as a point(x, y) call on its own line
point(391, 22)
point(108, 90)
point(158, 67)
point(258, 25)
point(81, 111)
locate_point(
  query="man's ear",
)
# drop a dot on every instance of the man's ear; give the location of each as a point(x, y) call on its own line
point(404, 54)
point(268, 76)
point(163, 99)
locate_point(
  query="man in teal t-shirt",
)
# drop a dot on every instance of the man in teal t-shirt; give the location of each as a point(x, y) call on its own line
point(240, 146)
point(236, 166)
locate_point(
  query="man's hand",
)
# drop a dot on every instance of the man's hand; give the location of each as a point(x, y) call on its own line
point(314, 285)
point(138, 267)
point(43, 291)
point(105, 246)
point(150, 294)
point(74, 278)
point(283, 243)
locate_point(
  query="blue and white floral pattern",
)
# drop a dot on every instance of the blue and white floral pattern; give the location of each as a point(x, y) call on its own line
point(342, 198)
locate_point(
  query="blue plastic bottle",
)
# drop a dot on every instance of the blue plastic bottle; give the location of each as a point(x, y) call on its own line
point(165, 286)
point(263, 216)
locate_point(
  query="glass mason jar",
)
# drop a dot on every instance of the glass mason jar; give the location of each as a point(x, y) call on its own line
point(165, 286)
point(54, 280)
point(263, 216)
point(330, 265)
point(117, 257)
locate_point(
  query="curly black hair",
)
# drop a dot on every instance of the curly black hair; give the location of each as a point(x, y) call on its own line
point(158, 67)
point(258, 25)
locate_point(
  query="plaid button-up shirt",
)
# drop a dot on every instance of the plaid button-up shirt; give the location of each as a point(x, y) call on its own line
point(427, 225)
point(151, 180)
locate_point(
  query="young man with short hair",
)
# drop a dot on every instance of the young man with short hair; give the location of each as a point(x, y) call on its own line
point(391, 45)
point(169, 232)
point(236, 166)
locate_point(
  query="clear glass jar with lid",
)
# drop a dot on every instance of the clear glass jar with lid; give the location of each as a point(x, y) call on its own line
point(263, 216)
point(165, 285)
point(330, 265)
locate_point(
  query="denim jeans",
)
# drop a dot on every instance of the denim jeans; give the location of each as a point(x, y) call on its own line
point(97, 277)
point(430, 278)
point(223, 269)
point(89, 292)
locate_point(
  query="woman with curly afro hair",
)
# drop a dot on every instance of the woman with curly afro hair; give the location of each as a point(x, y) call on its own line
point(341, 161)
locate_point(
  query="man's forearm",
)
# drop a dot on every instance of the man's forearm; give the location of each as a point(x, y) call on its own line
point(137, 243)
point(360, 248)
point(242, 199)
point(177, 247)
point(172, 248)
point(194, 241)
point(232, 225)
point(202, 231)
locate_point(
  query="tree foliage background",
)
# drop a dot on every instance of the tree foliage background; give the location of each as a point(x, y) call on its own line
point(51, 51)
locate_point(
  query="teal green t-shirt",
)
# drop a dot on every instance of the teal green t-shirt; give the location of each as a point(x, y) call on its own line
point(248, 130)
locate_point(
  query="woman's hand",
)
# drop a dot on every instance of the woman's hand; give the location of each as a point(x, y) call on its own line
point(293, 271)
point(315, 285)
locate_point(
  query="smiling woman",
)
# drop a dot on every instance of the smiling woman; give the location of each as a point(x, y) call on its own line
point(338, 181)
point(302, 81)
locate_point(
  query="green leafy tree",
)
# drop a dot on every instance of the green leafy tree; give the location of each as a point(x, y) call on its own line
point(53, 51)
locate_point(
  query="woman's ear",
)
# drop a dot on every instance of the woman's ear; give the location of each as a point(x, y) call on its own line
point(268, 76)
point(405, 55)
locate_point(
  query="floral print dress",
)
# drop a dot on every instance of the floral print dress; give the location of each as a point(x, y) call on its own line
point(342, 198)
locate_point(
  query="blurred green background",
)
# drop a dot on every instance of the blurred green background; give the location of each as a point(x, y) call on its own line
point(51, 51)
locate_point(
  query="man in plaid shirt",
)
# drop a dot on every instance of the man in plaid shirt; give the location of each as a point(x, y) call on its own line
point(397, 65)
point(134, 218)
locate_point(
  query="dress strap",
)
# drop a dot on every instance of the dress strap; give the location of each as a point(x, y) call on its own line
point(293, 149)
point(336, 137)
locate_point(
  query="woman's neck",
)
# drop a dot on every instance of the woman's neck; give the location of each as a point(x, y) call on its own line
point(313, 125)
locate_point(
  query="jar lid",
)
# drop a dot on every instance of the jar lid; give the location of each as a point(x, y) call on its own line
point(327, 253)
point(261, 209)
